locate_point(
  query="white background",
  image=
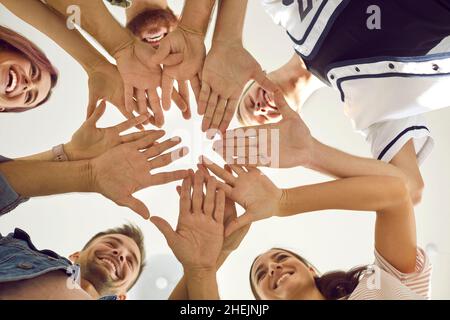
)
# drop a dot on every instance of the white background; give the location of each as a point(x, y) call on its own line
point(331, 240)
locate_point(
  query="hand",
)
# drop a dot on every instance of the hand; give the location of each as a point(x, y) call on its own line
point(228, 67)
point(141, 78)
point(197, 241)
point(193, 49)
point(232, 241)
point(285, 144)
point(125, 169)
point(251, 189)
point(89, 141)
point(105, 83)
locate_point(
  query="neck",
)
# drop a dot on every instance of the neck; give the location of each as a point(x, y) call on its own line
point(295, 79)
point(311, 294)
point(89, 288)
point(138, 6)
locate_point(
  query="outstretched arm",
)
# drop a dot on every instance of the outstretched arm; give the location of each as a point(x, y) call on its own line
point(395, 234)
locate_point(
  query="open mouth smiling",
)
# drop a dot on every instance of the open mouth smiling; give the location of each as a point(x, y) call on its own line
point(112, 265)
point(12, 81)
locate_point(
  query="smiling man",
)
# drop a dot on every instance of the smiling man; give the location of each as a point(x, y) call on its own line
point(151, 20)
point(106, 268)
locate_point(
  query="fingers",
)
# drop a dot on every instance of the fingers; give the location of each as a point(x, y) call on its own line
point(239, 170)
point(220, 206)
point(197, 193)
point(128, 93)
point(265, 82)
point(167, 89)
point(184, 92)
point(167, 177)
point(185, 195)
point(196, 87)
point(98, 113)
point(229, 114)
point(203, 170)
point(133, 136)
point(218, 113)
point(211, 187)
point(168, 158)
point(141, 101)
point(162, 52)
point(173, 59)
point(225, 187)
point(210, 109)
point(156, 107)
point(165, 228)
point(238, 223)
point(137, 206)
point(159, 148)
point(92, 104)
point(181, 104)
point(149, 139)
point(131, 123)
point(218, 171)
point(203, 98)
point(285, 110)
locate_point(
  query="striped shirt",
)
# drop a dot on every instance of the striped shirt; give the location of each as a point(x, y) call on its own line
point(382, 281)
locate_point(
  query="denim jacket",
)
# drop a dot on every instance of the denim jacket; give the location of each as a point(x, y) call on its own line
point(21, 260)
point(9, 199)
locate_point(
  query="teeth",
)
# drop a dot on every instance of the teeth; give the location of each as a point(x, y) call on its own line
point(282, 278)
point(154, 39)
point(113, 266)
point(12, 81)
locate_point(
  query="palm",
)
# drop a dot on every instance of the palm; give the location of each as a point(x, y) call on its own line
point(193, 50)
point(229, 68)
point(256, 194)
point(196, 242)
point(233, 241)
point(92, 141)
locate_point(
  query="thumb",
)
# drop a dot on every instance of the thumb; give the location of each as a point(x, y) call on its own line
point(238, 223)
point(92, 103)
point(164, 227)
point(162, 52)
point(179, 190)
point(285, 110)
point(98, 112)
point(137, 206)
point(261, 78)
point(173, 59)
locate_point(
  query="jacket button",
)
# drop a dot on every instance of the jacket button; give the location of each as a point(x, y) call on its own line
point(25, 266)
point(435, 67)
point(391, 66)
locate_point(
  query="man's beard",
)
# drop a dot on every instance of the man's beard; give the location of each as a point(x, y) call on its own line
point(152, 20)
point(99, 277)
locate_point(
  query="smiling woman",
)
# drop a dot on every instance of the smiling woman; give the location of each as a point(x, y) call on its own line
point(26, 75)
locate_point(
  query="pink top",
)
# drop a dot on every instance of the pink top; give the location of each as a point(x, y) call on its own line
point(383, 282)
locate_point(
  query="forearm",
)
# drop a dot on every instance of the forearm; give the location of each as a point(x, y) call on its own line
point(196, 16)
point(41, 178)
point(202, 284)
point(230, 21)
point(42, 156)
point(372, 193)
point(339, 164)
point(53, 24)
point(97, 21)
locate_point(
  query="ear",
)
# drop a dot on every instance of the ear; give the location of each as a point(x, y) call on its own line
point(122, 297)
point(311, 270)
point(74, 256)
point(2, 109)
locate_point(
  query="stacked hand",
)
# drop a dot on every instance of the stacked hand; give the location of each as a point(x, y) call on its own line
point(285, 144)
point(89, 141)
point(192, 47)
point(251, 189)
point(126, 169)
point(227, 69)
point(198, 239)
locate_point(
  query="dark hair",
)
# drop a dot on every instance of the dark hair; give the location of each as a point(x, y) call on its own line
point(138, 23)
point(332, 285)
point(11, 40)
point(130, 231)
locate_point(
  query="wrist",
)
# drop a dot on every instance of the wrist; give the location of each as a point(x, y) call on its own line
point(200, 272)
point(282, 204)
point(314, 159)
point(70, 152)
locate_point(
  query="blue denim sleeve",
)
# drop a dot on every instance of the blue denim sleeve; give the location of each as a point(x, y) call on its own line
point(9, 199)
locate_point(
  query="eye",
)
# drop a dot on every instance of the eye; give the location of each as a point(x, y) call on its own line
point(282, 257)
point(260, 276)
point(34, 71)
point(27, 97)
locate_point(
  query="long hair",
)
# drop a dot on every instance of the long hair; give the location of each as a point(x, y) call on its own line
point(332, 285)
point(11, 40)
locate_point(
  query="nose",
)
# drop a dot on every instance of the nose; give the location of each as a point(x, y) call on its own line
point(26, 83)
point(274, 267)
point(260, 108)
point(119, 255)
